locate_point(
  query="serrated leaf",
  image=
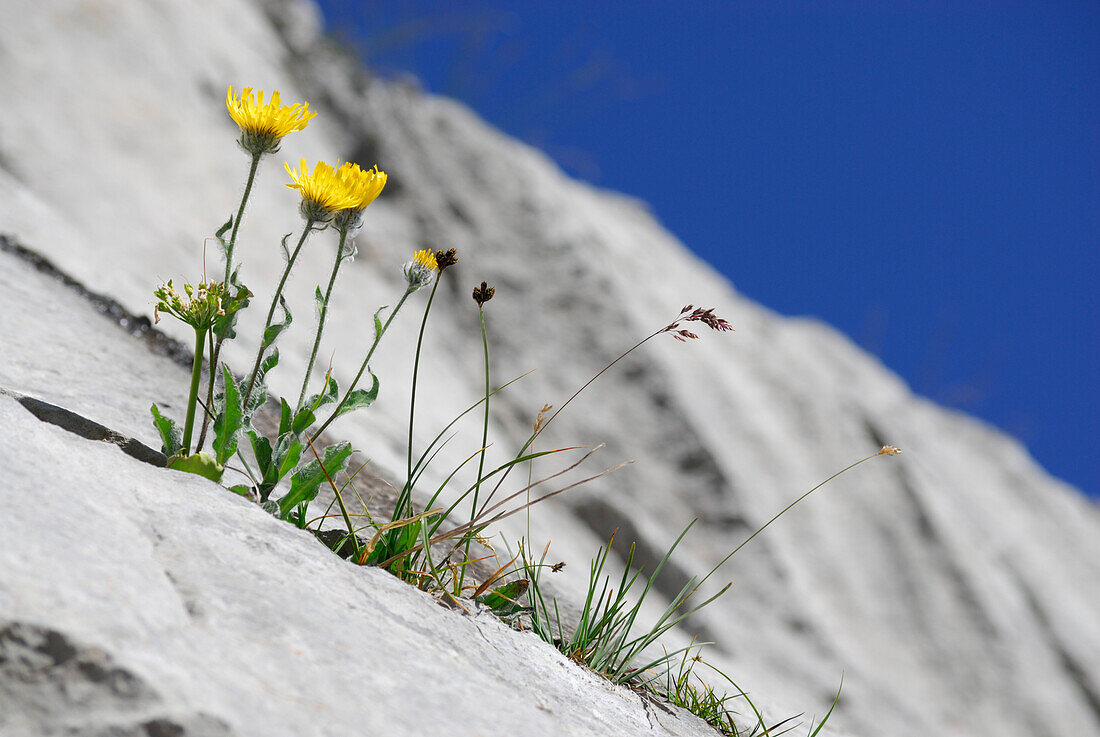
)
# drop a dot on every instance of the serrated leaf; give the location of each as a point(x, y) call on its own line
point(360, 398)
point(328, 396)
point(259, 387)
point(235, 281)
point(305, 482)
point(171, 439)
point(227, 425)
point(271, 360)
point(273, 331)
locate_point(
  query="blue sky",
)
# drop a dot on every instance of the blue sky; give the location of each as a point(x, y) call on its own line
point(925, 176)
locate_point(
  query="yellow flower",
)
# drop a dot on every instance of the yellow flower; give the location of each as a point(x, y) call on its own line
point(425, 259)
point(363, 186)
point(323, 192)
point(420, 270)
point(262, 126)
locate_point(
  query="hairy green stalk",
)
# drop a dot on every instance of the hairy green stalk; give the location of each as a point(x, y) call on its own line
point(216, 349)
point(274, 303)
point(240, 214)
point(321, 319)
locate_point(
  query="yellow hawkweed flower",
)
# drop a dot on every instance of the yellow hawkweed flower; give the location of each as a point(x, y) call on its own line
point(419, 271)
point(425, 259)
point(262, 126)
point(323, 193)
point(363, 187)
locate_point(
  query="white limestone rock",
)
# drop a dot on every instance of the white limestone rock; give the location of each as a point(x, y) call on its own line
point(954, 586)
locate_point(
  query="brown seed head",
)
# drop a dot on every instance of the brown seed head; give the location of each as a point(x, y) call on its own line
point(446, 258)
point(483, 294)
point(541, 418)
point(889, 450)
point(708, 318)
point(695, 314)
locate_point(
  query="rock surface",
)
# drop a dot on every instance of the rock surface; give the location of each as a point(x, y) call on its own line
point(955, 586)
point(140, 601)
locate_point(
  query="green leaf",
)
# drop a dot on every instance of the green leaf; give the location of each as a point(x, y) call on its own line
point(360, 398)
point(203, 464)
point(505, 600)
point(305, 481)
point(378, 321)
point(286, 251)
point(259, 388)
point(225, 325)
point(328, 396)
point(261, 448)
point(319, 299)
point(299, 516)
point(227, 426)
point(170, 436)
point(285, 420)
point(224, 229)
point(242, 489)
point(273, 331)
point(271, 507)
point(291, 456)
point(303, 421)
point(280, 460)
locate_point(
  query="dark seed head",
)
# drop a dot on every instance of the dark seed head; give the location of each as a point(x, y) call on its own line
point(446, 258)
point(483, 294)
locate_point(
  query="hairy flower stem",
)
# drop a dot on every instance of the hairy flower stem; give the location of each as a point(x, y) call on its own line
point(412, 394)
point(484, 443)
point(274, 303)
point(216, 349)
point(363, 367)
point(321, 319)
point(240, 214)
point(193, 396)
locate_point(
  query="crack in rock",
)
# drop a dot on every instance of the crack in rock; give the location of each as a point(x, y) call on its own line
point(88, 429)
point(137, 325)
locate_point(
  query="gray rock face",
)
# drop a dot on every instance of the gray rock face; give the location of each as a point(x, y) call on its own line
point(140, 601)
point(955, 586)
